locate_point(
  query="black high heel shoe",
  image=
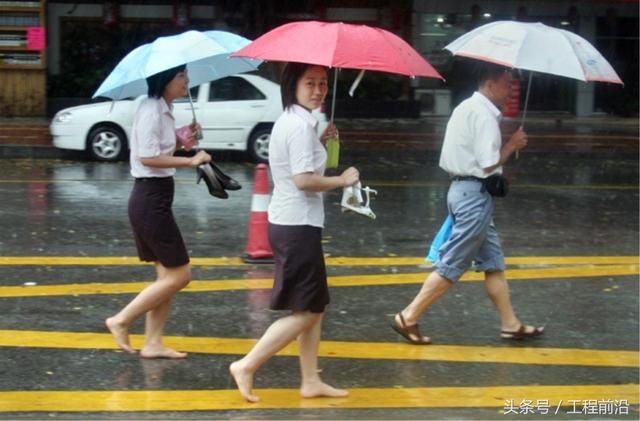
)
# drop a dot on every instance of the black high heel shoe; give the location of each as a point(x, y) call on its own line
point(205, 172)
point(227, 182)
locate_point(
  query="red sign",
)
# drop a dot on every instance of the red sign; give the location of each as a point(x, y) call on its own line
point(36, 37)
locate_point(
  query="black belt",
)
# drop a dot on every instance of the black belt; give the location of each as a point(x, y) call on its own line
point(467, 178)
point(145, 179)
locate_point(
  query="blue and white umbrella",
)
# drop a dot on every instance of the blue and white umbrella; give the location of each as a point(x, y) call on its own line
point(206, 55)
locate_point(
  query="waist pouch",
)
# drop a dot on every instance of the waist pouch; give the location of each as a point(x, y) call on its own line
point(496, 185)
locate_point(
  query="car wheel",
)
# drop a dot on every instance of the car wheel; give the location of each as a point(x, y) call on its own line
point(259, 145)
point(106, 143)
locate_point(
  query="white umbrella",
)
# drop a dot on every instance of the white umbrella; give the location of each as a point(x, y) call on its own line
point(535, 47)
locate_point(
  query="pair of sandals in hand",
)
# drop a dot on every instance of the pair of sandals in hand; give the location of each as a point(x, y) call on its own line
point(217, 182)
point(352, 200)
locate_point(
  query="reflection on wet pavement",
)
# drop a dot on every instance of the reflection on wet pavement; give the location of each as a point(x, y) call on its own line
point(569, 228)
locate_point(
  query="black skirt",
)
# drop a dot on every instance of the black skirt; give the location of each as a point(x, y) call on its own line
point(300, 282)
point(157, 235)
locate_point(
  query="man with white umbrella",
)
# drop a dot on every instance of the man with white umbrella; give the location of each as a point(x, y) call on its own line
point(473, 155)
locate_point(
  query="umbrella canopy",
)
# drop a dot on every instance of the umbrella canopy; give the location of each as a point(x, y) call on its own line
point(206, 55)
point(341, 45)
point(535, 47)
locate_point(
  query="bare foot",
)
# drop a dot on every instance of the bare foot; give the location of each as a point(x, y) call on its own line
point(161, 352)
point(319, 388)
point(244, 381)
point(121, 335)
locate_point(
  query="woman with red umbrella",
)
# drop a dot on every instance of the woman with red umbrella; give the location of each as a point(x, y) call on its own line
point(297, 159)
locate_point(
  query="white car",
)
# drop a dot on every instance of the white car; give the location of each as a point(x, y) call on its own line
point(236, 113)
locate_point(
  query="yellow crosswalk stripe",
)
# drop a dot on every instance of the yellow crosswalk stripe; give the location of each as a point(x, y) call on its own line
point(530, 274)
point(339, 349)
point(330, 261)
point(570, 397)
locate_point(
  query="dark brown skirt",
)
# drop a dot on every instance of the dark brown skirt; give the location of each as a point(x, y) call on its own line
point(155, 230)
point(300, 282)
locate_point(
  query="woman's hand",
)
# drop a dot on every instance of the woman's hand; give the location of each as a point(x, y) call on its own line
point(329, 132)
point(188, 136)
point(196, 130)
point(350, 176)
point(200, 158)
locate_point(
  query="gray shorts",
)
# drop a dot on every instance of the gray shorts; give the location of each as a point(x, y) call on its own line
point(474, 239)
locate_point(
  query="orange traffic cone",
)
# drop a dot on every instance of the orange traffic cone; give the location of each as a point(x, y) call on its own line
point(258, 248)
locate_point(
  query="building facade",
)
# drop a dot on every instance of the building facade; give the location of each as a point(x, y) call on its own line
point(86, 39)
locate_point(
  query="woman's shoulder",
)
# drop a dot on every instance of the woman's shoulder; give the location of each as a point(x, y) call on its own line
point(150, 106)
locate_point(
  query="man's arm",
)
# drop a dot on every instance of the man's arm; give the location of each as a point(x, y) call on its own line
point(517, 141)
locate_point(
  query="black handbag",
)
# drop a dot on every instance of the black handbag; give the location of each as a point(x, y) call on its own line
point(496, 185)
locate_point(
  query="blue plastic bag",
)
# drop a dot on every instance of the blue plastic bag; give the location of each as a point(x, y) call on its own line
point(441, 237)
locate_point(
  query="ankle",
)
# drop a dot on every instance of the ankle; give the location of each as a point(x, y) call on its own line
point(308, 381)
point(511, 324)
point(409, 320)
point(153, 344)
point(116, 321)
point(243, 366)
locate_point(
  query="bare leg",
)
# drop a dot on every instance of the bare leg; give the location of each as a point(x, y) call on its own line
point(154, 328)
point(433, 288)
point(498, 290)
point(277, 336)
point(308, 343)
point(171, 281)
point(157, 318)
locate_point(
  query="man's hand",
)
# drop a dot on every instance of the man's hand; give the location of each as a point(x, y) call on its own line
point(518, 140)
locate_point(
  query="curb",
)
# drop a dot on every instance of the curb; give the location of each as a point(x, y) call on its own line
point(36, 152)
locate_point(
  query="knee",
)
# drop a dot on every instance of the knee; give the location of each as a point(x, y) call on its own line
point(308, 318)
point(185, 279)
point(312, 318)
point(181, 277)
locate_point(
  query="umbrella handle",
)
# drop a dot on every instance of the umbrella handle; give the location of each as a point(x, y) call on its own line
point(193, 112)
point(526, 104)
point(526, 99)
point(333, 98)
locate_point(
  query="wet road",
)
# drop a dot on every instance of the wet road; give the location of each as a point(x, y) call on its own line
point(570, 232)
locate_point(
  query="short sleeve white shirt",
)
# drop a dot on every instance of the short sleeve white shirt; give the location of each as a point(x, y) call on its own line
point(153, 134)
point(294, 148)
point(472, 140)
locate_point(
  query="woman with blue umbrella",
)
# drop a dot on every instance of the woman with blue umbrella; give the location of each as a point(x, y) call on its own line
point(157, 236)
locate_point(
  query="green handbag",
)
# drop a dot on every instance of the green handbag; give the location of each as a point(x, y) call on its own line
point(333, 152)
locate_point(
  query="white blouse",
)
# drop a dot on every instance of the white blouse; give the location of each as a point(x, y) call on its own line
point(153, 134)
point(295, 148)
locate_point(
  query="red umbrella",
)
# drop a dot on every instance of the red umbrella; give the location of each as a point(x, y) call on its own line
point(337, 44)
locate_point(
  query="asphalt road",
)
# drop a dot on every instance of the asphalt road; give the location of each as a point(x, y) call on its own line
point(570, 232)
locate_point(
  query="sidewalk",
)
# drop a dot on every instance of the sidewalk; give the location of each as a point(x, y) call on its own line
point(28, 137)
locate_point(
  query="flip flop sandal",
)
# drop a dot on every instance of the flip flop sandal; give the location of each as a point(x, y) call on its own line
point(521, 333)
point(409, 332)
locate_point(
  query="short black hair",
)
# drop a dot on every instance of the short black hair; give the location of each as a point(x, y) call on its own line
point(485, 71)
point(158, 82)
point(289, 81)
